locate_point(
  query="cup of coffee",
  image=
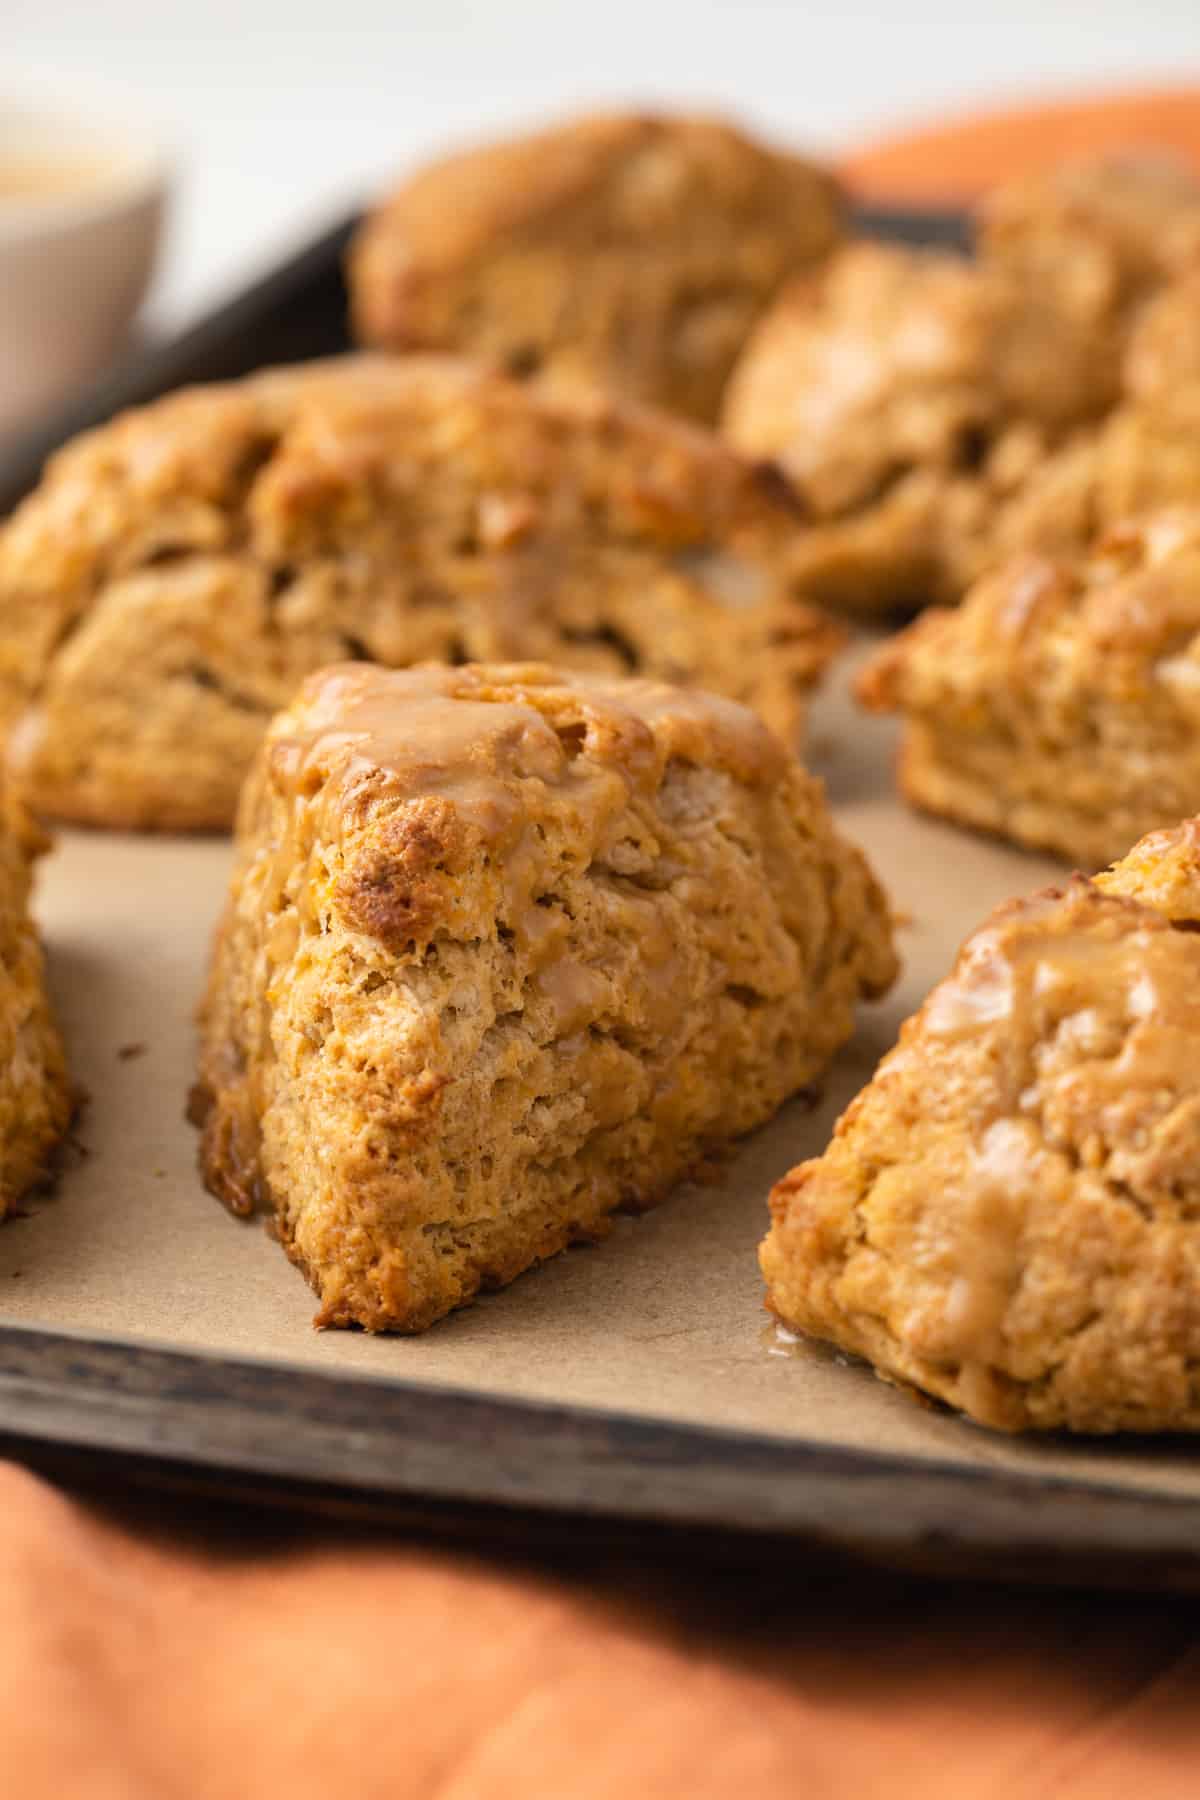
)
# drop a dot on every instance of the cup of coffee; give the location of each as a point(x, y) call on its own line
point(82, 201)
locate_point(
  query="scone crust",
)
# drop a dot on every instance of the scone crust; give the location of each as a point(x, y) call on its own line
point(936, 415)
point(1102, 232)
point(180, 571)
point(1006, 1217)
point(1144, 457)
point(626, 250)
point(905, 394)
point(36, 1097)
point(1059, 706)
point(506, 949)
point(1163, 353)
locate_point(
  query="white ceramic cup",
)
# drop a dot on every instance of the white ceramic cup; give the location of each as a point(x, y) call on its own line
point(76, 254)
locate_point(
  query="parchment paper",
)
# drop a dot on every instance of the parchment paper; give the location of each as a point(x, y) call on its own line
point(665, 1319)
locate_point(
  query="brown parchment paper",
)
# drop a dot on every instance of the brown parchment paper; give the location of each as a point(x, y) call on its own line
point(665, 1319)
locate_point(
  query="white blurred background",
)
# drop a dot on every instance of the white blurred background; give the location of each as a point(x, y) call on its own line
point(282, 112)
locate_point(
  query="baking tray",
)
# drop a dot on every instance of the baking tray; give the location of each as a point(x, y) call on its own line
point(637, 1386)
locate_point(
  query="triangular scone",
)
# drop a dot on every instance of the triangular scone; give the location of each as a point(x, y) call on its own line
point(1098, 233)
point(906, 394)
point(1163, 354)
point(36, 1098)
point(179, 572)
point(1059, 706)
point(625, 250)
point(1144, 457)
point(1008, 1216)
point(1141, 457)
point(934, 413)
point(507, 949)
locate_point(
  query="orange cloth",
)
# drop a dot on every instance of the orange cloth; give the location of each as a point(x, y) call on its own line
point(951, 162)
point(254, 1656)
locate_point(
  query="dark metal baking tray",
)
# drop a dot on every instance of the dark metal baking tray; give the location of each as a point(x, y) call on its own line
point(446, 1458)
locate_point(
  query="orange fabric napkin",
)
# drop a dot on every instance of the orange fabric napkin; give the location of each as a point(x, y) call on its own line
point(245, 1655)
point(952, 161)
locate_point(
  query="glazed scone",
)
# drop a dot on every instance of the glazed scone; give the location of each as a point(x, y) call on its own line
point(1163, 352)
point(1008, 1216)
point(506, 949)
point(1100, 234)
point(180, 571)
point(36, 1097)
point(904, 393)
point(626, 250)
point(1144, 454)
point(1059, 706)
point(1144, 457)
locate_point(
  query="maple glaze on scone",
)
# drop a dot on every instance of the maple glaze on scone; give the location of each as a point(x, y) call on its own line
point(180, 571)
point(1008, 1216)
point(508, 948)
point(1059, 705)
point(624, 251)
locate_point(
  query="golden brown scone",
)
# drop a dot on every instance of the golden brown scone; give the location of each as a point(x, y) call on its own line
point(36, 1098)
point(905, 393)
point(1145, 456)
point(1008, 1216)
point(626, 250)
point(1059, 706)
point(1099, 234)
point(1163, 353)
point(508, 948)
point(179, 572)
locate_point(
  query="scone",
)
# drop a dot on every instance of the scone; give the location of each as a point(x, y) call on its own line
point(1163, 352)
point(180, 571)
point(506, 949)
point(631, 251)
point(1008, 1216)
point(1059, 706)
point(36, 1098)
point(1100, 234)
point(1144, 456)
point(904, 394)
